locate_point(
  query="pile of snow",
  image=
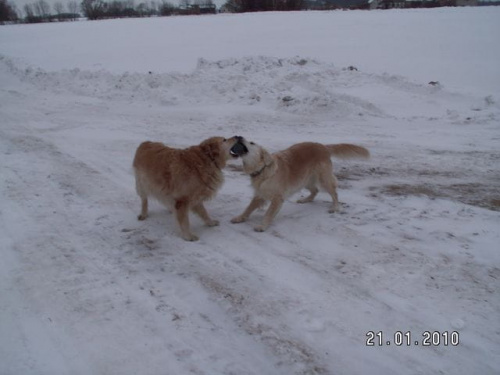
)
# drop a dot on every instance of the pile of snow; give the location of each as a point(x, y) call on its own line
point(454, 46)
point(86, 288)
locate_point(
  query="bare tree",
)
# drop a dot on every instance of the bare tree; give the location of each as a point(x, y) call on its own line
point(73, 8)
point(166, 8)
point(153, 5)
point(59, 9)
point(29, 13)
point(8, 12)
point(143, 10)
point(93, 9)
point(42, 9)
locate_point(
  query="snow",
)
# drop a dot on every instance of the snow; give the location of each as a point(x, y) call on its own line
point(85, 288)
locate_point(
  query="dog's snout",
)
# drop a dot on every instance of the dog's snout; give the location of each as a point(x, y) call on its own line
point(239, 147)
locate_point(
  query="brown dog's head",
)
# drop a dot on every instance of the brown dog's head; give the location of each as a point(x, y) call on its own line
point(219, 149)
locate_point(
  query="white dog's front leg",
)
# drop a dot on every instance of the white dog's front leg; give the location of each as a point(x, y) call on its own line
point(271, 212)
point(254, 204)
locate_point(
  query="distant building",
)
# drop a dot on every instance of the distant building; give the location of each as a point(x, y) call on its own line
point(458, 3)
point(466, 3)
point(386, 4)
point(399, 4)
point(208, 8)
point(324, 4)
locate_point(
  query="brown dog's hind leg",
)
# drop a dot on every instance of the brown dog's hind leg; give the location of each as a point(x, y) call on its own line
point(182, 214)
point(141, 192)
point(144, 208)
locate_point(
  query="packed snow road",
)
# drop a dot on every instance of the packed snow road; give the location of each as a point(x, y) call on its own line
point(85, 288)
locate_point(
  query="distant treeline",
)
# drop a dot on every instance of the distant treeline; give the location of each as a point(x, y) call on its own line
point(41, 11)
point(99, 9)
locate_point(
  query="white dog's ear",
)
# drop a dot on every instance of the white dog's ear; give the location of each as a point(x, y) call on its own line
point(266, 157)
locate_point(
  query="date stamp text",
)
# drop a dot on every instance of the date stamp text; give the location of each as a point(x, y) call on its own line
point(407, 338)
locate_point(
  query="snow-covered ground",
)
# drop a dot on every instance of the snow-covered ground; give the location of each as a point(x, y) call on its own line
point(85, 288)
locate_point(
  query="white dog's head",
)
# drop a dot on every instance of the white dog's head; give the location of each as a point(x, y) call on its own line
point(254, 157)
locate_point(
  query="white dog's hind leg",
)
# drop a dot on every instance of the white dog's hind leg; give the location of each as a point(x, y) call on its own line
point(329, 182)
point(314, 191)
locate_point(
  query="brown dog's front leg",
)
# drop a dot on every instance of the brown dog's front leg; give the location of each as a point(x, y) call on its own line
point(254, 204)
point(271, 212)
point(201, 211)
point(182, 212)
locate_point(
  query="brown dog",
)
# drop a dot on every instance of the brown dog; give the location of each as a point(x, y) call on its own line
point(275, 177)
point(182, 179)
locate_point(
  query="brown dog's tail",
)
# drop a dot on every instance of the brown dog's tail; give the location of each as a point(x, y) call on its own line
point(348, 151)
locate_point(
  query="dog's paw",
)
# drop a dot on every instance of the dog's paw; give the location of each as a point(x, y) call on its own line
point(333, 209)
point(191, 237)
point(238, 219)
point(304, 200)
point(259, 228)
point(142, 217)
point(213, 223)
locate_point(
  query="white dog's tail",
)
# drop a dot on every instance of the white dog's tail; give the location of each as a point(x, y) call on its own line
point(348, 151)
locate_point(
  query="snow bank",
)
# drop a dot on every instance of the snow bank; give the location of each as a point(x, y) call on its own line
point(454, 46)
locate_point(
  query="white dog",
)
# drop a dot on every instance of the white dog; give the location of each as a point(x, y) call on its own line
point(277, 176)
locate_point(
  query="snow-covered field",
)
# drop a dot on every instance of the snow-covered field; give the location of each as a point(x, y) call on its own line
point(85, 288)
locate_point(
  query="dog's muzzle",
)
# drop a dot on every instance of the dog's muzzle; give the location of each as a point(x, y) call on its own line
point(239, 148)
